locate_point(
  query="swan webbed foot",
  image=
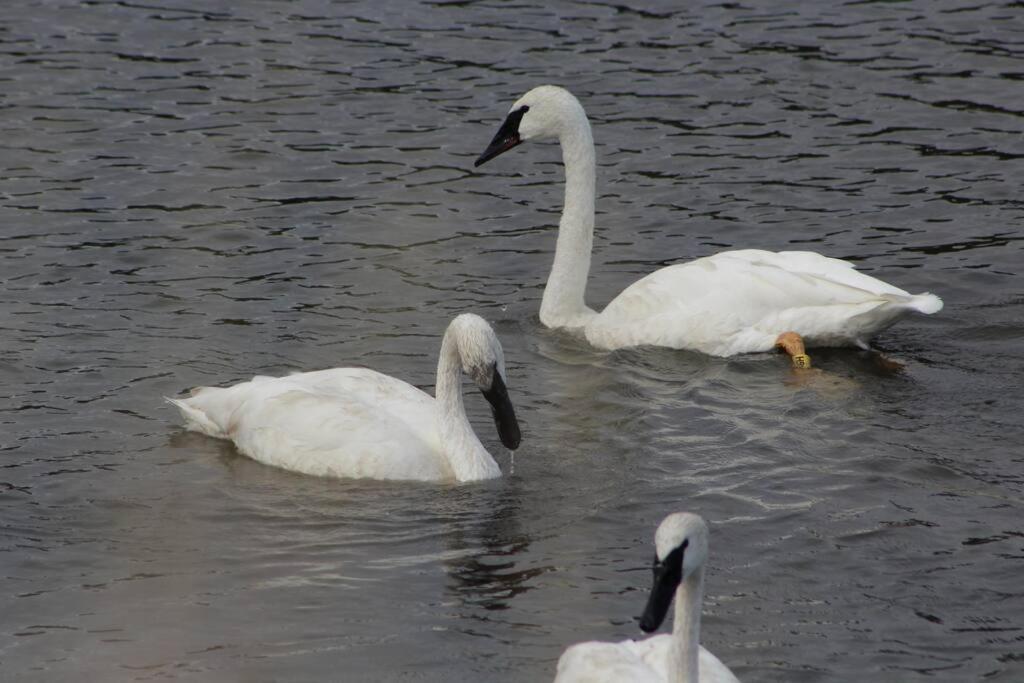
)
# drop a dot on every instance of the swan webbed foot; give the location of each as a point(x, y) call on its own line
point(885, 364)
point(793, 344)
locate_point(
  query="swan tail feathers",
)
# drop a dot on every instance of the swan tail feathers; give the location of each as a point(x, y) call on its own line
point(195, 419)
point(927, 303)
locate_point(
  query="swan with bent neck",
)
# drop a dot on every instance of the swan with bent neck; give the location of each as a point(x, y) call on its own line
point(732, 302)
point(358, 423)
point(681, 548)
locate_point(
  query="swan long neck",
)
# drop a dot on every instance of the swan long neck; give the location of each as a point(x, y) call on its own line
point(563, 304)
point(467, 457)
point(684, 654)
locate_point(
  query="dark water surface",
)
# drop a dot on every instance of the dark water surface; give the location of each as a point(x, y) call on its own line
point(193, 193)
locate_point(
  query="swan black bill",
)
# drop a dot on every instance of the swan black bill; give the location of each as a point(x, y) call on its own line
point(506, 138)
point(504, 413)
point(667, 575)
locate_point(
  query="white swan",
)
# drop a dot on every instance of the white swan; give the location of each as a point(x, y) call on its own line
point(731, 302)
point(354, 422)
point(681, 547)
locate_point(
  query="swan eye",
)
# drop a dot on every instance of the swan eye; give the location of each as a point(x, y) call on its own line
point(512, 121)
point(516, 117)
point(670, 558)
point(488, 371)
point(672, 565)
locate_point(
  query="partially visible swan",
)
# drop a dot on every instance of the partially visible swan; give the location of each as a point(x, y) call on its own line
point(354, 422)
point(731, 302)
point(681, 547)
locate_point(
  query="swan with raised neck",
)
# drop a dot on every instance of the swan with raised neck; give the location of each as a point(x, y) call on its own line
point(681, 549)
point(545, 112)
point(731, 302)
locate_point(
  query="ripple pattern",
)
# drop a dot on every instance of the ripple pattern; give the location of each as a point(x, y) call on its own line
point(194, 193)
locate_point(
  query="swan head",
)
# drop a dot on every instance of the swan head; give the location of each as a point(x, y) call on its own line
point(681, 547)
point(483, 361)
point(544, 112)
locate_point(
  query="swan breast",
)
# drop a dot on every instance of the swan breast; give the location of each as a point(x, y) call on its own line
point(639, 661)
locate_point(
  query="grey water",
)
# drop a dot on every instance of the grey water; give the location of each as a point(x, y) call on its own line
point(195, 193)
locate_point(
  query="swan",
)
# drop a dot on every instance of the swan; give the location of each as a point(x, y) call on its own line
point(681, 547)
point(358, 423)
point(732, 302)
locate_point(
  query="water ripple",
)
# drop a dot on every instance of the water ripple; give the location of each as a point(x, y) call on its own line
point(194, 196)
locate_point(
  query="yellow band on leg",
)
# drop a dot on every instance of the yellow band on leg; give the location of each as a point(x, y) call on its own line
point(802, 361)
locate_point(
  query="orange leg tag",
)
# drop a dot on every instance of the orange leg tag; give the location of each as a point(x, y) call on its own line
point(802, 361)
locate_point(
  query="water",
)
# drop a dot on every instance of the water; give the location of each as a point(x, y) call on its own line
point(196, 193)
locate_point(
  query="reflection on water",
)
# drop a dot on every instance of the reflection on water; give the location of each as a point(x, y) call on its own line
point(194, 196)
point(486, 574)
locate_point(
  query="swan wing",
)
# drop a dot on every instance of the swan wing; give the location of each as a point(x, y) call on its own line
point(368, 384)
point(346, 422)
point(814, 264)
point(740, 301)
point(334, 436)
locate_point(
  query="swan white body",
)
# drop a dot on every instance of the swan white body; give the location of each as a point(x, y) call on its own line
point(633, 661)
point(675, 658)
point(358, 423)
point(731, 302)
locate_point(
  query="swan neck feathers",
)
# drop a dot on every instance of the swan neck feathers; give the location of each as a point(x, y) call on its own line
point(685, 649)
point(466, 347)
point(690, 531)
point(563, 304)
